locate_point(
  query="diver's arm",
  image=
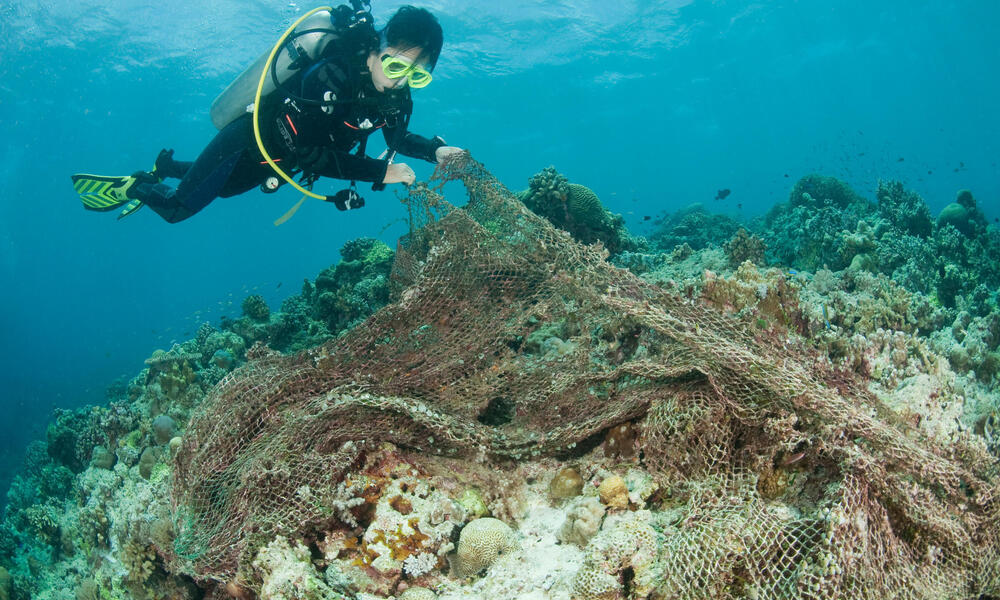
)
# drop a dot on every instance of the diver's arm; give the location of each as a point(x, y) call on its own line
point(411, 144)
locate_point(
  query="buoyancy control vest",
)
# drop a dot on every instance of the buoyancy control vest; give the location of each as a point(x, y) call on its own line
point(344, 29)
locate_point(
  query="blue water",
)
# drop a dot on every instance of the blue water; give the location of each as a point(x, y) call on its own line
point(654, 105)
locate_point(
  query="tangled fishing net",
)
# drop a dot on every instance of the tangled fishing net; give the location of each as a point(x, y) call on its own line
point(448, 369)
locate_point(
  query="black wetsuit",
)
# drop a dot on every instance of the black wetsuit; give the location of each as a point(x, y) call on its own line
point(326, 140)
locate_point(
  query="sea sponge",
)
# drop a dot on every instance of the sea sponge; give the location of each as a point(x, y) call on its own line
point(101, 458)
point(481, 542)
point(146, 463)
point(472, 501)
point(583, 519)
point(614, 492)
point(163, 429)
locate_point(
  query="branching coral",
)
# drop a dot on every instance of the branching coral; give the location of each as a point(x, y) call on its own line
point(694, 227)
point(904, 209)
point(743, 247)
point(255, 308)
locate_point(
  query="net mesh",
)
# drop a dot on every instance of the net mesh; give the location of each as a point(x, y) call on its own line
point(455, 367)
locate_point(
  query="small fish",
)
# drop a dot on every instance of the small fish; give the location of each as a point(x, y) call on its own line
point(739, 206)
point(646, 217)
point(900, 159)
point(930, 172)
point(786, 175)
point(277, 286)
point(723, 194)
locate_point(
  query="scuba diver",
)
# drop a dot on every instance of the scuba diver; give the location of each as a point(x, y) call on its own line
point(306, 108)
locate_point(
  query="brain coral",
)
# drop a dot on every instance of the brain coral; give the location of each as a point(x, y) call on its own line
point(417, 593)
point(481, 542)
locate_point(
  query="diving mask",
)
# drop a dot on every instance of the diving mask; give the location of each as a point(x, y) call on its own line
point(395, 67)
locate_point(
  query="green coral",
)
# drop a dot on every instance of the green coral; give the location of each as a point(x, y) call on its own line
point(354, 288)
point(71, 437)
point(41, 522)
point(255, 308)
point(806, 232)
point(904, 209)
point(695, 227)
point(963, 215)
point(576, 209)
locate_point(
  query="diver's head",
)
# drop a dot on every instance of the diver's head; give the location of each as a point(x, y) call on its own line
point(410, 46)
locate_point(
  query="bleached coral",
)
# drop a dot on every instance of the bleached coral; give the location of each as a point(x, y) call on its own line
point(416, 565)
point(627, 544)
point(287, 573)
point(583, 519)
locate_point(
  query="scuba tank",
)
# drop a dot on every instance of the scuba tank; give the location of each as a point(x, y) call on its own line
point(315, 35)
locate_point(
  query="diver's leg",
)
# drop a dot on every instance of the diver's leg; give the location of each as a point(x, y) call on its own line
point(203, 181)
point(166, 166)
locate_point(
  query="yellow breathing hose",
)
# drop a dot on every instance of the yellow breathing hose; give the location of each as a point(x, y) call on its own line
point(256, 105)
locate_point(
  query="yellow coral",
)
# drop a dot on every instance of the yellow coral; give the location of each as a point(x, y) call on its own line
point(614, 492)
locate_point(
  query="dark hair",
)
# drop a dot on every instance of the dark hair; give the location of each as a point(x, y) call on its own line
point(413, 27)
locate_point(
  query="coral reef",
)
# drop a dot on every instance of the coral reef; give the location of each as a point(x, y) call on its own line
point(744, 247)
point(623, 556)
point(577, 209)
point(556, 428)
point(694, 226)
point(256, 309)
point(341, 296)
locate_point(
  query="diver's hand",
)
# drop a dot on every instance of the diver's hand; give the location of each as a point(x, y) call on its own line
point(399, 173)
point(444, 152)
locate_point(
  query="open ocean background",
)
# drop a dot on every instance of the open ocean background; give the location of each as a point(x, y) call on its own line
point(653, 105)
